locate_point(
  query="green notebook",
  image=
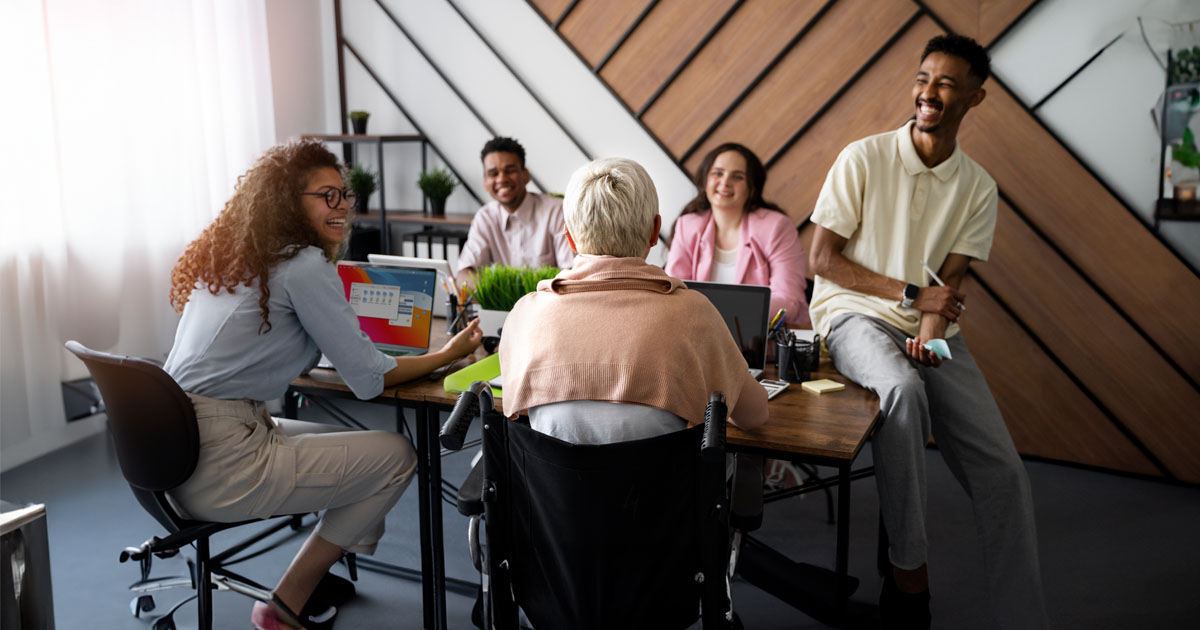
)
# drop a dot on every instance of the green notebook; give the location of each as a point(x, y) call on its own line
point(483, 370)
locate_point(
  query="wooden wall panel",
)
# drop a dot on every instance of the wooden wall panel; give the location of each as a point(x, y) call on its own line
point(981, 19)
point(1046, 413)
point(879, 101)
point(1094, 342)
point(659, 44)
point(595, 26)
point(551, 9)
point(729, 62)
point(807, 78)
point(1091, 226)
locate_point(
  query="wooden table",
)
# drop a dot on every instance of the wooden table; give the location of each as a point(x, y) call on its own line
point(823, 429)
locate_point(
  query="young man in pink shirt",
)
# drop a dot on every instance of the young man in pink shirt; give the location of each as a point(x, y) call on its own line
point(517, 228)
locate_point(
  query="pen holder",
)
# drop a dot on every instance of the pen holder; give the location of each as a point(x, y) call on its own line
point(795, 359)
point(790, 363)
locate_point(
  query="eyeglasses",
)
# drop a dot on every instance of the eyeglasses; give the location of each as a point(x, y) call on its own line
point(334, 196)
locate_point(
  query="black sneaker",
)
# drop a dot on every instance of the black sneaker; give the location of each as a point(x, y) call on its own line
point(902, 611)
point(322, 606)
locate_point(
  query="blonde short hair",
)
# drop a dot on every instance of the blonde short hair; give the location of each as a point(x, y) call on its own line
point(609, 207)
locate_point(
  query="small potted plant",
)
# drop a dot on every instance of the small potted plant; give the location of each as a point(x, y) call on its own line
point(358, 120)
point(1186, 170)
point(437, 184)
point(496, 289)
point(362, 183)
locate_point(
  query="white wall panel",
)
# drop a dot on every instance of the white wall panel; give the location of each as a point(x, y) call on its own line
point(1056, 38)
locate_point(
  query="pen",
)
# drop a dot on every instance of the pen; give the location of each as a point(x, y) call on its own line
point(938, 280)
point(778, 316)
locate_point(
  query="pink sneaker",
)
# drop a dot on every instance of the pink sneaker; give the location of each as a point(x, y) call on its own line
point(264, 616)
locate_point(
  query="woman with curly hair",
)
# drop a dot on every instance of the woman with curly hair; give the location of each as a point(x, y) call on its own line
point(261, 300)
point(729, 233)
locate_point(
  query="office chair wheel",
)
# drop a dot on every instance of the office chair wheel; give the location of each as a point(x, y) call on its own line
point(141, 604)
point(166, 622)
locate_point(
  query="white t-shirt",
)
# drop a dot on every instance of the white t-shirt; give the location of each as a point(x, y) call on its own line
point(724, 266)
point(602, 422)
point(895, 212)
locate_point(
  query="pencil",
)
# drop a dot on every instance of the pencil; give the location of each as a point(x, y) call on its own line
point(938, 280)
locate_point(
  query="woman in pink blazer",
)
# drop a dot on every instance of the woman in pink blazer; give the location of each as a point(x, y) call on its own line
point(729, 233)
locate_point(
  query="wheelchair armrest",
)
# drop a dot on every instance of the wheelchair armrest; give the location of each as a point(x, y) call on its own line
point(746, 511)
point(712, 447)
point(466, 408)
point(470, 493)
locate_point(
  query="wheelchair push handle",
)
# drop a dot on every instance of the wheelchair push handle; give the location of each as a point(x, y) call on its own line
point(454, 432)
point(712, 447)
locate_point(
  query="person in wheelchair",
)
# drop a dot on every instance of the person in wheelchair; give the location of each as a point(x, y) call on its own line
point(261, 300)
point(616, 329)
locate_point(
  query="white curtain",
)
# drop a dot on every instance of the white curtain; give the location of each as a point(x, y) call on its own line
point(124, 125)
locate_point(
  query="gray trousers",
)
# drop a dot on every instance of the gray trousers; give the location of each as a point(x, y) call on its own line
point(953, 403)
point(254, 466)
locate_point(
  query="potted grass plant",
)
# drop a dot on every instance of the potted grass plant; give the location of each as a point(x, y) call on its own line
point(362, 182)
point(437, 184)
point(497, 289)
point(358, 121)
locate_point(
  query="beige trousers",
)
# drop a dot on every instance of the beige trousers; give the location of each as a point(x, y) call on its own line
point(254, 466)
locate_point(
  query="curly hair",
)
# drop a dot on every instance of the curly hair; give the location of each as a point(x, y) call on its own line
point(756, 179)
point(503, 144)
point(964, 48)
point(263, 224)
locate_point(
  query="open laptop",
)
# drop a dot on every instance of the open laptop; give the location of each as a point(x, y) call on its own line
point(440, 297)
point(746, 309)
point(394, 304)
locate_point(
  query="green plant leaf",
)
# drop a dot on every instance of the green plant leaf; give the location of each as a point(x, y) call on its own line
point(361, 181)
point(437, 183)
point(498, 287)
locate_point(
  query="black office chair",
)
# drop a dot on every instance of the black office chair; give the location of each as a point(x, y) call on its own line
point(627, 535)
point(153, 425)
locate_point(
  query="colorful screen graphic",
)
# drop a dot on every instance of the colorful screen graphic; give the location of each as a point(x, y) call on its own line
point(394, 304)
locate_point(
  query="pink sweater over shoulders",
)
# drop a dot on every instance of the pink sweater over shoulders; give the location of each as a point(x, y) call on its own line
point(619, 330)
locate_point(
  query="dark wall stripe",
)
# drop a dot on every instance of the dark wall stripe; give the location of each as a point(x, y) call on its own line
point(1112, 418)
point(411, 120)
point(562, 18)
point(608, 87)
point(1067, 80)
point(1099, 291)
point(841, 91)
point(624, 36)
point(692, 55)
point(1017, 20)
point(453, 88)
point(753, 84)
point(520, 80)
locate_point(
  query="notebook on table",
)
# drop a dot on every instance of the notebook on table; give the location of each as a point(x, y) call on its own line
point(394, 304)
point(746, 309)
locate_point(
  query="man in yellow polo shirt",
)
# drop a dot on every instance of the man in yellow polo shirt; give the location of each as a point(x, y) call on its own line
point(891, 204)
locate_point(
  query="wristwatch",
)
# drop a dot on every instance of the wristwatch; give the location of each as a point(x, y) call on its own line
point(910, 294)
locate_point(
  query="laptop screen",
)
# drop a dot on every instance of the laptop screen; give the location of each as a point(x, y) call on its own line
point(746, 309)
point(394, 304)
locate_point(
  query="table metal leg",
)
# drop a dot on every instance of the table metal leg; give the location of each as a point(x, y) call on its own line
point(423, 502)
point(433, 562)
point(291, 405)
point(843, 542)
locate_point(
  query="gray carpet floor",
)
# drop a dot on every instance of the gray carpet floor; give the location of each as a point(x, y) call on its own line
point(1116, 552)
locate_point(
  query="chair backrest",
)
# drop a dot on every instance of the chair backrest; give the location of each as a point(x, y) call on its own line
point(151, 419)
point(604, 536)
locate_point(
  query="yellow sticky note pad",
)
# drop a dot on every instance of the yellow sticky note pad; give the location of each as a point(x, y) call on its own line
point(822, 385)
